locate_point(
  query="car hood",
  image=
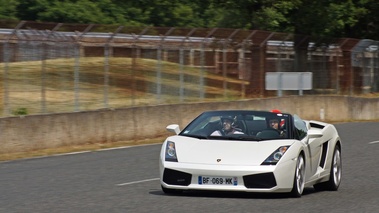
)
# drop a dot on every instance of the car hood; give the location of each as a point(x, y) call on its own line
point(224, 152)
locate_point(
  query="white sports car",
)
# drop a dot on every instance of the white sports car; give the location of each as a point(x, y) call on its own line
point(251, 151)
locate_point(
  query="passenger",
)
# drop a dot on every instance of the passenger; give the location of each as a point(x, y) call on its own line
point(281, 123)
point(228, 127)
point(274, 123)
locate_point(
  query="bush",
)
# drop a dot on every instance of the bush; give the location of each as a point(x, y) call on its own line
point(20, 111)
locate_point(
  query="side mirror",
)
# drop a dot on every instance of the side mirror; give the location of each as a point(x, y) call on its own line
point(174, 128)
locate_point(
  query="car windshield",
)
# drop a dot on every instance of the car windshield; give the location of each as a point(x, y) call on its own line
point(238, 125)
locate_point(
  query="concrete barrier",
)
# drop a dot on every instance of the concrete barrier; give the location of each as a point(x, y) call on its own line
point(148, 122)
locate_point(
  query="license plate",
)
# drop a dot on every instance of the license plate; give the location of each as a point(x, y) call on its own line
point(205, 180)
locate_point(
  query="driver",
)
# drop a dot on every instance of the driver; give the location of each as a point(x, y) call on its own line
point(228, 127)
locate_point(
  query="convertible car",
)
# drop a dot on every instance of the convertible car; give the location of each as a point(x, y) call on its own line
point(251, 151)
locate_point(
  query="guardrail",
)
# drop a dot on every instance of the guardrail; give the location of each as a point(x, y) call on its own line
point(25, 133)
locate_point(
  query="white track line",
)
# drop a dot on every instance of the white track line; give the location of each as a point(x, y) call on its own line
point(374, 142)
point(140, 181)
point(82, 152)
point(70, 153)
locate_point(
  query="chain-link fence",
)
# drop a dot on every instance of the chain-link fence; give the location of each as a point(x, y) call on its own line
point(51, 67)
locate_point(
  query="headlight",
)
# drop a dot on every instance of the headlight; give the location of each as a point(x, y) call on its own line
point(275, 156)
point(170, 153)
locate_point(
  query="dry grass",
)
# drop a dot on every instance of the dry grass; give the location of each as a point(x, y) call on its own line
point(129, 84)
point(29, 83)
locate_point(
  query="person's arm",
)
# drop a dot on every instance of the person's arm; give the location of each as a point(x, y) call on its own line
point(216, 133)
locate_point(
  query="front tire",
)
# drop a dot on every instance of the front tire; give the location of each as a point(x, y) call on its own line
point(335, 173)
point(299, 177)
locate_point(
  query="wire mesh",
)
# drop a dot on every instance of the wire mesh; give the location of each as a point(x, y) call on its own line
point(55, 67)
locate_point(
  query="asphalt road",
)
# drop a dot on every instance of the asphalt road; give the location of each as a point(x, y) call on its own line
point(126, 180)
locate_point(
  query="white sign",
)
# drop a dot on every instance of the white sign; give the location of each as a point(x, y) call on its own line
point(288, 81)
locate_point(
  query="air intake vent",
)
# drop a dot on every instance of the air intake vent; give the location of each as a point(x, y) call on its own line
point(174, 177)
point(318, 126)
point(323, 154)
point(260, 181)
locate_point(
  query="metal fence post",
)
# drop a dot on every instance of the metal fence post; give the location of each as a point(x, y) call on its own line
point(280, 84)
point(376, 73)
point(202, 62)
point(5, 79)
point(76, 77)
point(181, 74)
point(300, 83)
point(133, 73)
point(224, 68)
point(159, 73)
point(106, 74)
point(338, 53)
point(43, 78)
point(242, 67)
point(7, 56)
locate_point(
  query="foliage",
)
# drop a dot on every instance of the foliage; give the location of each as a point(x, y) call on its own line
point(8, 9)
point(324, 18)
point(20, 111)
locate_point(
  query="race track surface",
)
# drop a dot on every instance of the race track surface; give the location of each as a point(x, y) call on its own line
point(127, 180)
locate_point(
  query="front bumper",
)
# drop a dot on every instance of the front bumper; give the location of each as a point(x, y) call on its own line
point(183, 176)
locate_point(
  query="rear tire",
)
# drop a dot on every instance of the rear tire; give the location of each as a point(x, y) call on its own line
point(299, 177)
point(335, 173)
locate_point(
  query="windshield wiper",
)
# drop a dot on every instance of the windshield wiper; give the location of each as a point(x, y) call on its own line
point(195, 136)
point(249, 138)
point(236, 137)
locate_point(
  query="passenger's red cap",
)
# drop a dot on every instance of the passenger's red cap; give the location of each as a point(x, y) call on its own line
point(276, 111)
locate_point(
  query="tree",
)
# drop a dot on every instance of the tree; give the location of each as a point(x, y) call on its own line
point(162, 13)
point(321, 18)
point(79, 11)
point(8, 9)
point(255, 14)
point(306, 19)
point(367, 25)
point(325, 18)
